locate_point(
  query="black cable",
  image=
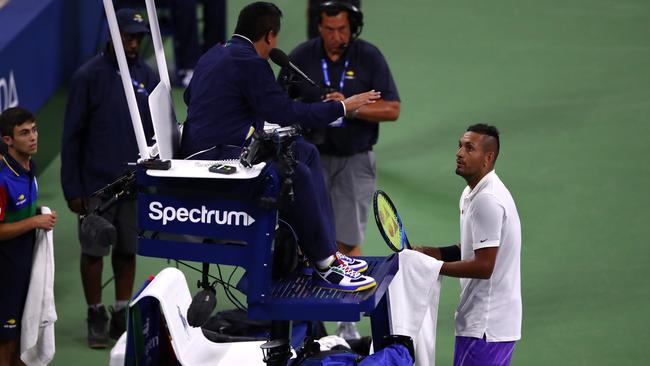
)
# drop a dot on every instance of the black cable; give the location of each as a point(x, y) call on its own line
point(232, 273)
point(230, 279)
point(293, 233)
point(231, 297)
point(217, 280)
point(107, 282)
point(226, 291)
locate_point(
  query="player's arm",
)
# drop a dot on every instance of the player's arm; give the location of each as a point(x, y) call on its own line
point(15, 229)
point(481, 266)
point(445, 254)
point(487, 221)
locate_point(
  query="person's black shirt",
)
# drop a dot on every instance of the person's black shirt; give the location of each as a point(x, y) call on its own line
point(366, 70)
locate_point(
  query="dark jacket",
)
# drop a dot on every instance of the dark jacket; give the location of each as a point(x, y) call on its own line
point(98, 138)
point(233, 89)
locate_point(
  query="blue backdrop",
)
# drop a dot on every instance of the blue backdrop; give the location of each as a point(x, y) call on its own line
point(42, 42)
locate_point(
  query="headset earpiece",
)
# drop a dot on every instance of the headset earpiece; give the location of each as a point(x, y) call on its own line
point(354, 14)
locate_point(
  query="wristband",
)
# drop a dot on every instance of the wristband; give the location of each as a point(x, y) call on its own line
point(450, 253)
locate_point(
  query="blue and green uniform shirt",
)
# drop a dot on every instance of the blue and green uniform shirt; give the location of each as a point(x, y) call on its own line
point(18, 191)
point(18, 201)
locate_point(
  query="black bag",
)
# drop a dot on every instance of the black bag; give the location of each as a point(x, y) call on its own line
point(235, 322)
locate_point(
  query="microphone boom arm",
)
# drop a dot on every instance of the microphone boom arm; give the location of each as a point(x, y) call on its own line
point(281, 59)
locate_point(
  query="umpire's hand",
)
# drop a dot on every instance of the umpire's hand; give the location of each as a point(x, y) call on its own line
point(359, 100)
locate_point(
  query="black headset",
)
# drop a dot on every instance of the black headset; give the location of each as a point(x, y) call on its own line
point(354, 14)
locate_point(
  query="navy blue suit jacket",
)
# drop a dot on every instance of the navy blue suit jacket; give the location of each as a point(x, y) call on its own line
point(233, 89)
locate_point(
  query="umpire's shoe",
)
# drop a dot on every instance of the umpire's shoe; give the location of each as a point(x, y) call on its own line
point(339, 276)
point(97, 327)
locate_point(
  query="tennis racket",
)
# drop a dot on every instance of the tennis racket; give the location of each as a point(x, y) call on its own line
point(389, 222)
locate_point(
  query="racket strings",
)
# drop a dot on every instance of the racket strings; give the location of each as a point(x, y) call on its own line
point(390, 222)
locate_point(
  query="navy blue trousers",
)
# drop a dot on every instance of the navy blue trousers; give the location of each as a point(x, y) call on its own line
point(310, 214)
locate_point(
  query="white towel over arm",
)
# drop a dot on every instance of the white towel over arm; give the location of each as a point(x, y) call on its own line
point(413, 297)
point(37, 325)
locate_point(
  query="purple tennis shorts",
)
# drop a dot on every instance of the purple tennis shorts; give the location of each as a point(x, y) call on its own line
point(478, 352)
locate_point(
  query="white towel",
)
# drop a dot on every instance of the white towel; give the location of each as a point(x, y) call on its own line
point(413, 297)
point(37, 326)
point(190, 346)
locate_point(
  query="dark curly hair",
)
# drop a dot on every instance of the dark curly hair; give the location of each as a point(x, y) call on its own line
point(487, 130)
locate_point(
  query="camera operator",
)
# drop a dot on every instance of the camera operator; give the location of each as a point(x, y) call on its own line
point(233, 91)
point(345, 65)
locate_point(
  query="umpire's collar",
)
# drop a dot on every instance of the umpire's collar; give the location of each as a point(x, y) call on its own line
point(239, 37)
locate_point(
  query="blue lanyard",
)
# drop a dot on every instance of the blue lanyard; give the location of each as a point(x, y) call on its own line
point(139, 87)
point(326, 76)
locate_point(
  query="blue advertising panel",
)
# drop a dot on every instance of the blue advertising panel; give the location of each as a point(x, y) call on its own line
point(208, 217)
point(42, 42)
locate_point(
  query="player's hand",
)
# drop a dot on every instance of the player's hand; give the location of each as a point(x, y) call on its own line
point(359, 100)
point(433, 252)
point(335, 96)
point(45, 221)
point(78, 205)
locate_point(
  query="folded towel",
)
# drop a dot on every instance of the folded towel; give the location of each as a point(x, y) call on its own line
point(37, 325)
point(414, 294)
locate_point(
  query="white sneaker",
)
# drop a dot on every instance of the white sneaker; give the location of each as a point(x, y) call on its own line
point(356, 264)
point(338, 276)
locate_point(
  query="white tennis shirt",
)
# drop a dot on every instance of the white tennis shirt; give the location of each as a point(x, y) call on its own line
point(489, 218)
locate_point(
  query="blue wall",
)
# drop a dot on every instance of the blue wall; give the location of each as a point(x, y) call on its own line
point(42, 42)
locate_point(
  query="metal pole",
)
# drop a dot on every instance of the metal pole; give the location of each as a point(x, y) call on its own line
point(126, 79)
point(158, 47)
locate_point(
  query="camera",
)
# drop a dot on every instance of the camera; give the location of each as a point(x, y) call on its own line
point(274, 145)
point(268, 145)
point(94, 225)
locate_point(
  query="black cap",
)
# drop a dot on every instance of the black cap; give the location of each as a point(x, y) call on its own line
point(131, 21)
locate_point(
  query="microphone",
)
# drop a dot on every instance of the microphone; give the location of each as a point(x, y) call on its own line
point(201, 307)
point(281, 59)
point(98, 229)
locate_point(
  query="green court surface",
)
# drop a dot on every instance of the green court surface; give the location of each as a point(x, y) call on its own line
point(567, 83)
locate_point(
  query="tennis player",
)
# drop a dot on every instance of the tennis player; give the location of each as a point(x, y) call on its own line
point(488, 318)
